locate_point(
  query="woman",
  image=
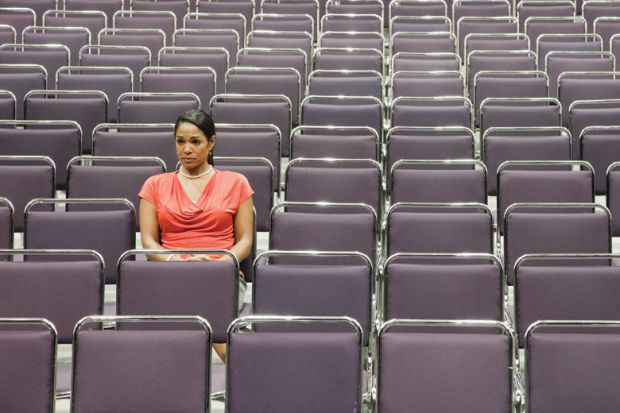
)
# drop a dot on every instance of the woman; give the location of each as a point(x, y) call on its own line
point(197, 206)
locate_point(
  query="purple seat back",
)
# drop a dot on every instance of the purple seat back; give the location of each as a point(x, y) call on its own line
point(7, 33)
point(285, 57)
point(51, 57)
point(287, 39)
point(39, 6)
point(154, 107)
point(307, 372)
point(152, 39)
point(534, 8)
point(606, 27)
point(135, 58)
point(520, 60)
point(425, 62)
point(109, 7)
point(61, 292)
point(27, 363)
point(613, 200)
point(593, 10)
point(87, 108)
point(495, 41)
point(569, 43)
point(479, 8)
point(74, 39)
point(342, 111)
point(235, 21)
point(283, 22)
point(519, 112)
point(558, 62)
point(226, 38)
point(152, 19)
point(421, 8)
point(351, 22)
point(423, 42)
point(214, 57)
point(7, 105)
point(479, 24)
point(243, 7)
point(584, 114)
point(165, 79)
point(163, 359)
point(598, 147)
point(345, 59)
point(354, 142)
point(179, 7)
point(535, 26)
point(430, 112)
point(369, 40)
point(6, 223)
point(420, 24)
point(93, 20)
point(18, 17)
point(431, 84)
point(347, 84)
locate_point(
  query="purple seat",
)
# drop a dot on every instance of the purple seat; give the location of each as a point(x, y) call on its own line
point(513, 60)
point(216, 58)
point(235, 21)
point(17, 17)
point(152, 39)
point(558, 62)
point(59, 140)
point(613, 201)
point(295, 8)
point(438, 181)
point(432, 111)
point(135, 58)
point(160, 360)
point(113, 81)
point(588, 353)
point(8, 103)
point(19, 79)
point(567, 42)
point(50, 56)
point(480, 8)
point(289, 371)
point(209, 290)
point(28, 364)
point(342, 111)
point(226, 38)
point(469, 225)
point(267, 111)
point(500, 144)
point(93, 20)
point(7, 33)
point(313, 290)
point(244, 7)
point(413, 366)
point(571, 287)
point(448, 142)
point(199, 80)
point(38, 6)
point(592, 10)
point(420, 24)
point(346, 22)
point(443, 287)
point(355, 7)
point(6, 223)
point(284, 22)
point(599, 148)
point(335, 180)
point(86, 107)
point(427, 84)
point(534, 8)
point(275, 57)
point(180, 8)
point(578, 228)
point(342, 82)
point(417, 8)
point(480, 24)
point(327, 58)
point(73, 37)
point(536, 25)
point(600, 112)
point(369, 40)
point(23, 178)
point(109, 7)
point(606, 27)
point(166, 21)
point(353, 142)
point(431, 42)
point(424, 61)
point(61, 292)
point(110, 232)
point(495, 41)
point(117, 139)
point(282, 39)
point(507, 112)
point(154, 107)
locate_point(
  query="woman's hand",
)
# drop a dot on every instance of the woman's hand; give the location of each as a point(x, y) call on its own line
point(199, 257)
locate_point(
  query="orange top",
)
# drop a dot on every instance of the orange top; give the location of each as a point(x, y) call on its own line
point(207, 223)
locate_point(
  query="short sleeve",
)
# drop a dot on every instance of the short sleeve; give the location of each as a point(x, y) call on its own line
point(149, 190)
point(245, 190)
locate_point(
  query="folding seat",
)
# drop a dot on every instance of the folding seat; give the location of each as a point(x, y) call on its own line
point(342, 111)
point(249, 140)
point(607, 28)
point(152, 39)
point(284, 81)
point(235, 21)
point(226, 38)
point(598, 112)
point(324, 226)
point(554, 228)
point(599, 148)
point(180, 8)
point(612, 196)
point(584, 352)
point(417, 8)
point(8, 103)
point(276, 57)
point(369, 40)
point(60, 140)
point(424, 61)
point(335, 180)
point(217, 58)
point(141, 370)
point(564, 287)
point(443, 287)
point(7, 213)
point(23, 178)
point(513, 60)
point(260, 172)
point(144, 139)
point(300, 378)
point(426, 84)
point(103, 177)
point(154, 107)
point(592, 10)
point(495, 41)
point(113, 81)
point(28, 364)
point(93, 20)
point(284, 22)
point(316, 289)
point(419, 24)
point(527, 143)
point(17, 17)
point(535, 8)
point(507, 84)
point(38, 6)
point(575, 42)
point(505, 112)
point(375, 7)
point(543, 181)
point(7, 34)
point(209, 288)
point(351, 22)
point(110, 232)
point(135, 58)
point(432, 111)
point(415, 180)
point(353, 142)
point(347, 83)
point(423, 228)
point(537, 25)
point(431, 42)
point(472, 24)
point(50, 56)
point(282, 39)
point(73, 37)
point(437, 365)
point(328, 58)
point(435, 142)
point(243, 7)
point(200, 80)
point(86, 107)
point(271, 112)
point(109, 7)
point(165, 21)
point(480, 8)
point(296, 8)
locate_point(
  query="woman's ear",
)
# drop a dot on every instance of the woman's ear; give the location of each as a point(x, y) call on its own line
point(212, 141)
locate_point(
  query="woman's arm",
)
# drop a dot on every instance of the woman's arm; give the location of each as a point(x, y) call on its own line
point(244, 230)
point(149, 232)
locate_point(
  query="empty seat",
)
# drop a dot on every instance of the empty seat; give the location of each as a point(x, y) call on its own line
point(505, 112)
point(282, 39)
point(536, 25)
point(152, 39)
point(7, 34)
point(420, 24)
point(164, 20)
point(6, 223)
point(480, 24)
point(294, 8)
point(135, 58)
point(283, 57)
point(243, 7)
point(426, 84)
point(217, 58)
point(432, 111)
point(74, 38)
point(513, 60)
point(495, 41)
point(480, 8)
point(17, 17)
point(592, 10)
point(284, 22)
point(557, 62)
point(180, 8)
point(598, 147)
point(8, 102)
point(597, 112)
point(606, 27)
point(154, 107)
point(235, 21)
point(417, 8)
point(575, 42)
point(613, 202)
point(334, 58)
point(534, 8)
point(355, 6)
point(109, 7)
point(415, 42)
point(342, 111)
point(50, 56)
point(346, 22)
point(424, 61)
point(93, 20)
point(347, 83)
point(371, 40)
point(334, 141)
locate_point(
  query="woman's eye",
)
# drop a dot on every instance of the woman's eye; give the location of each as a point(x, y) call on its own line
point(196, 141)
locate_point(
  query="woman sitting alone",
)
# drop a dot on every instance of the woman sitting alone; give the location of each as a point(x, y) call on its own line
point(197, 206)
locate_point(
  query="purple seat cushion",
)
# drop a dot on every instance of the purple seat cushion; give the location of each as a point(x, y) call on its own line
point(601, 149)
point(438, 185)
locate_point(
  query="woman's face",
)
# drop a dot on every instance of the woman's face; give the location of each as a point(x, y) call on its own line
point(192, 145)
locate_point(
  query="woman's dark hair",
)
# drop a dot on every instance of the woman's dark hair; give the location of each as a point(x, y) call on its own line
point(200, 119)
